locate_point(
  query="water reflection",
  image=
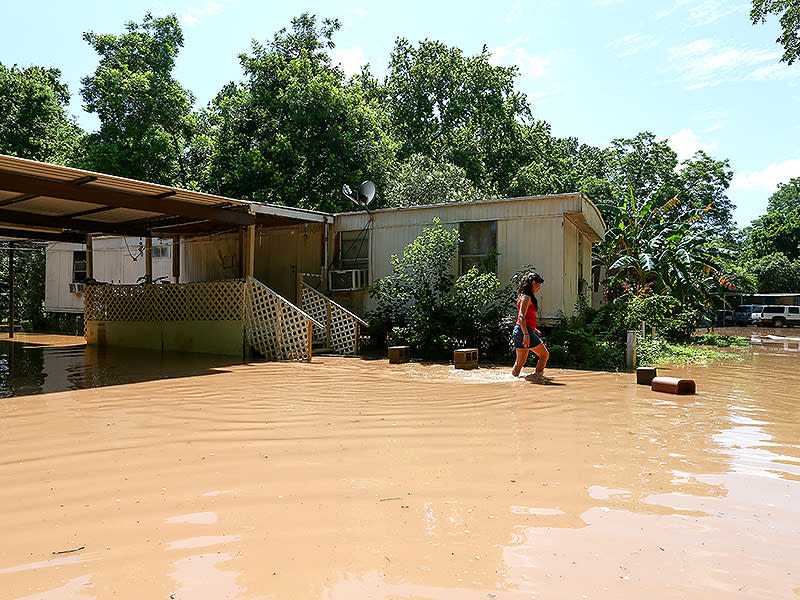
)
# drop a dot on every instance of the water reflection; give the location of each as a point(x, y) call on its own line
point(28, 367)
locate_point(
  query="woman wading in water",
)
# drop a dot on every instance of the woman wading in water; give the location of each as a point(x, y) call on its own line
point(526, 336)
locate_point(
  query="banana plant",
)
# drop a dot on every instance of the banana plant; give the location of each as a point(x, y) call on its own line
point(655, 245)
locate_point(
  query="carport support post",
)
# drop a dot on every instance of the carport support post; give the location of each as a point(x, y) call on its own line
point(148, 259)
point(251, 251)
point(176, 258)
point(89, 257)
point(10, 290)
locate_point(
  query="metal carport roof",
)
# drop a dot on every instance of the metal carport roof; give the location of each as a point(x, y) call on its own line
point(43, 201)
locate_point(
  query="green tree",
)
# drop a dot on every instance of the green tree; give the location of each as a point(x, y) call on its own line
point(649, 166)
point(786, 199)
point(33, 119)
point(555, 165)
point(457, 109)
point(774, 232)
point(776, 273)
point(295, 130)
point(145, 115)
point(420, 180)
point(789, 11)
point(702, 184)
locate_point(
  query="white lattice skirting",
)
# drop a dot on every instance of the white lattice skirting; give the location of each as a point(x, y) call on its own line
point(273, 326)
point(206, 301)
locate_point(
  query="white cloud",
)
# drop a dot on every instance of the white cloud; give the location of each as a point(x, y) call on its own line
point(631, 44)
point(351, 15)
point(767, 180)
point(361, 13)
point(192, 14)
point(773, 72)
point(712, 10)
point(705, 63)
point(685, 144)
point(514, 54)
point(349, 59)
point(514, 14)
point(543, 96)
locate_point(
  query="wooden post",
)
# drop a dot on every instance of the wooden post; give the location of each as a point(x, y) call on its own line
point(89, 257)
point(10, 290)
point(176, 258)
point(241, 253)
point(251, 251)
point(148, 259)
point(309, 342)
point(630, 351)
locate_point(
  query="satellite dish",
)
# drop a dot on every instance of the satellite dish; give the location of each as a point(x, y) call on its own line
point(366, 193)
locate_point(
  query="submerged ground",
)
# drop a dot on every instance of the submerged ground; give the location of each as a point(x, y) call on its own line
point(190, 477)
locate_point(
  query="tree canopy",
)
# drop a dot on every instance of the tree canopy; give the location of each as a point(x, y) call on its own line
point(145, 114)
point(295, 130)
point(789, 17)
point(33, 119)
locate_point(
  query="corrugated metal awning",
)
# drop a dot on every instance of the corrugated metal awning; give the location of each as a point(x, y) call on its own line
point(50, 202)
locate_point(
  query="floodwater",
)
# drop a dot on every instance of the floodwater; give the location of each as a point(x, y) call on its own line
point(129, 476)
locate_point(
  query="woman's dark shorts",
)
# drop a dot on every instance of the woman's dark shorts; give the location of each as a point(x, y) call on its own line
point(518, 337)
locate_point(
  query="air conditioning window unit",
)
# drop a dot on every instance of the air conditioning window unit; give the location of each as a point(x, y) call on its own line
point(76, 288)
point(347, 279)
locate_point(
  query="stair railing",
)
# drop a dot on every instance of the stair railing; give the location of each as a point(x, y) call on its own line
point(342, 328)
point(274, 326)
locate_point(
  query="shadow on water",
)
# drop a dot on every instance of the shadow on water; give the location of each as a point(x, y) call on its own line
point(28, 367)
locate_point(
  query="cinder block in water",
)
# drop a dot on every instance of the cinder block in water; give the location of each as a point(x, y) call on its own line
point(645, 375)
point(465, 358)
point(399, 354)
point(673, 385)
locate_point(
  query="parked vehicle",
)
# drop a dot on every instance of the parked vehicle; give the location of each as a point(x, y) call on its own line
point(723, 318)
point(776, 315)
point(741, 316)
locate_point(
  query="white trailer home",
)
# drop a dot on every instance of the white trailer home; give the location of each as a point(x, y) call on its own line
point(553, 233)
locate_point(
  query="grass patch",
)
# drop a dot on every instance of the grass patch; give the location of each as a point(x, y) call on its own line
point(721, 341)
point(657, 351)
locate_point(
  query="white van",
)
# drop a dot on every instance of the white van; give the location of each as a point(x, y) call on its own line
point(776, 315)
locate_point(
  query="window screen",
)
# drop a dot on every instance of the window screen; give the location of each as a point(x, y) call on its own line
point(78, 266)
point(354, 250)
point(478, 246)
point(160, 251)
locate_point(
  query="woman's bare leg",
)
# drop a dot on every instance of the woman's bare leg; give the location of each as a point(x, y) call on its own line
point(522, 358)
point(543, 354)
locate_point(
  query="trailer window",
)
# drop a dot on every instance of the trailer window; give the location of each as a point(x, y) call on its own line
point(478, 247)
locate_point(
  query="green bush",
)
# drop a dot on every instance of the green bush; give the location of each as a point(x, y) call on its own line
point(424, 305)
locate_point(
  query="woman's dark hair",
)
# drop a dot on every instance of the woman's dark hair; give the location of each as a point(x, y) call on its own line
point(526, 286)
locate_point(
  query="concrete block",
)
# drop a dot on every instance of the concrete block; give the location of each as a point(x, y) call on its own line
point(399, 354)
point(465, 358)
point(645, 375)
point(673, 385)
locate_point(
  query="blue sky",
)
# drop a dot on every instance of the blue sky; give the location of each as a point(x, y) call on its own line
point(693, 71)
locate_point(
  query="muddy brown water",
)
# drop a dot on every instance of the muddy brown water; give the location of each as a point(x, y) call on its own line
point(125, 475)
